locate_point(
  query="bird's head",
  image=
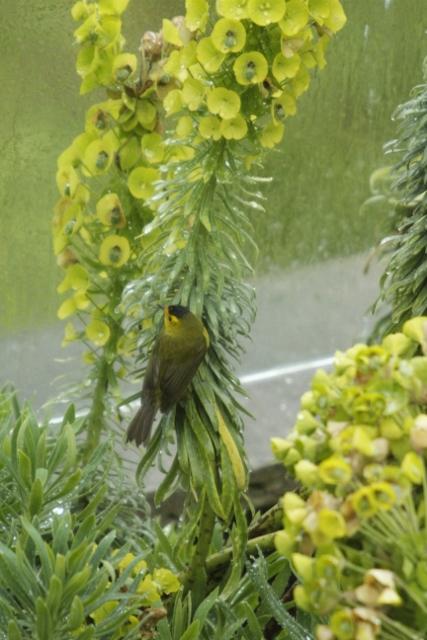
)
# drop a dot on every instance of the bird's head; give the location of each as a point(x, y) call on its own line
point(174, 316)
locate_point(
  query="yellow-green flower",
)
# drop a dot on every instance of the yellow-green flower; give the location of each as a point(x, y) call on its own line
point(319, 10)
point(295, 19)
point(331, 524)
point(124, 66)
point(70, 334)
point(173, 102)
point(384, 495)
point(181, 153)
point(265, 12)
point(210, 127)
point(413, 467)
point(112, 7)
point(170, 33)
point(294, 507)
point(114, 251)
point(271, 135)
point(184, 126)
point(196, 14)
point(126, 345)
point(130, 153)
point(98, 332)
point(78, 302)
point(307, 473)
point(250, 68)
point(193, 92)
point(303, 566)
point(140, 566)
point(110, 211)
point(99, 155)
point(149, 589)
point(208, 55)
point(336, 18)
point(67, 181)
point(301, 82)
point(223, 102)
point(342, 624)
point(364, 503)
point(228, 35)
point(104, 611)
point(76, 278)
point(152, 147)
point(284, 106)
point(335, 470)
point(284, 543)
point(166, 581)
point(284, 68)
point(233, 9)
point(141, 182)
point(146, 113)
point(179, 62)
point(234, 128)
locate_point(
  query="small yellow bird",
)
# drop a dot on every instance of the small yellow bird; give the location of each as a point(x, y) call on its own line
point(178, 350)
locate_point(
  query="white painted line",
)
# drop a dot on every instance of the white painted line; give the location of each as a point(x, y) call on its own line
point(288, 370)
point(248, 379)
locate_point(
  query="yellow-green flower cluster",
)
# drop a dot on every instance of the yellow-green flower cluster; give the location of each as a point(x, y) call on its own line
point(243, 77)
point(359, 449)
point(104, 178)
point(148, 590)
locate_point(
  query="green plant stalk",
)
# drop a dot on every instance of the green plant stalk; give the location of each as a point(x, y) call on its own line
point(95, 419)
point(197, 575)
point(217, 560)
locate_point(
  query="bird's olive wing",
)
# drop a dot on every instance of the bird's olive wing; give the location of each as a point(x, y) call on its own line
point(150, 385)
point(176, 373)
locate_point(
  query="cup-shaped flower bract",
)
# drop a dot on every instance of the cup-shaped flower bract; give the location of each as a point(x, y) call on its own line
point(209, 56)
point(124, 66)
point(210, 127)
point(110, 211)
point(284, 68)
point(233, 9)
point(223, 102)
point(98, 332)
point(295, 19)
point(114, 251)
point(228, 35)
point(234, 128)
point(265, 12)
point(152, 147)
point(271, 134)
point(141, 182)
point(250, 68)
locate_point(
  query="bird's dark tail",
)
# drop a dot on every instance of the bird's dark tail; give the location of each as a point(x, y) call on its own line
point(139, 429)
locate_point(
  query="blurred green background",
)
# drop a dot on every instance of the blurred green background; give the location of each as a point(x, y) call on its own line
point(321, 172)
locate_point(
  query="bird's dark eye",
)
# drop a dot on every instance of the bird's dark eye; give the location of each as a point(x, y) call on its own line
point(170, 318)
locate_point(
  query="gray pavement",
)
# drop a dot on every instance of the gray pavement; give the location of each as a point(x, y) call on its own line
point(304, 314)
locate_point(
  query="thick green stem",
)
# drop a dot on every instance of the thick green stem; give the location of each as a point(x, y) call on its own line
point(197, 575)
point(222, 558)
point(95, 419)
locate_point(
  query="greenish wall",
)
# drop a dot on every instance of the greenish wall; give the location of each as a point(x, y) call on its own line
point(321, 172)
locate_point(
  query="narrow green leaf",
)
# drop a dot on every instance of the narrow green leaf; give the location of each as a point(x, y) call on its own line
point(42, 550)
point(54, 595)
point(192, 633)
point(167, 486)
point(35, 501)
point(205, 607)
point(43, 620)
point(25, 469)
point(77, 614)
point(13, 631)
